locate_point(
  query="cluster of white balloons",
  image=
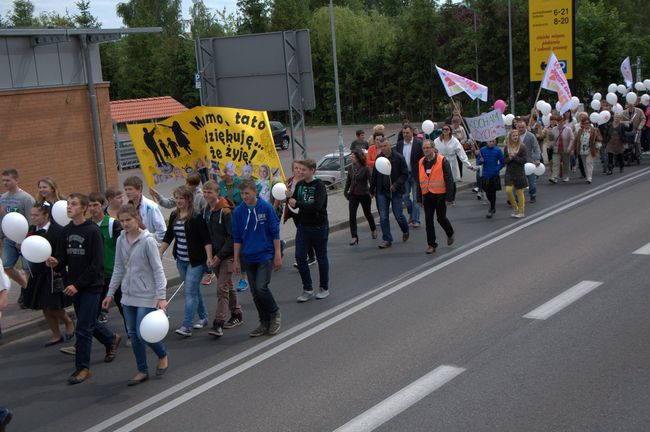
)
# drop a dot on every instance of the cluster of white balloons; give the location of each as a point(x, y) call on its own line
point(35, 249)
point(612, 99)
point(531, 168)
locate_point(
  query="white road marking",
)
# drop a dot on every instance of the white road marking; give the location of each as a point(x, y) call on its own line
point(309, 327)
point(563, 300)
point(402, 400)
point(645, 250)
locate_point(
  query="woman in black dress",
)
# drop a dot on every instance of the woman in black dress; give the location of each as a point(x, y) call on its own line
point(41, 292)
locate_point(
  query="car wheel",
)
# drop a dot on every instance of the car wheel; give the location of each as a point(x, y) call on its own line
point(285, 143)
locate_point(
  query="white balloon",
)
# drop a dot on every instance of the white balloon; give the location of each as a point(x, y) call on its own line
point(279, 191)
point(645, 99)
point(621, 88)
point(36, 249)
point(529, 168)
point(546, 108)
point(540, 105)
point(575, 101)
point(595, 105)
point(604, 117)
point(646, 83)
point(503, 117)
point(594, 117)
point(60, 212)
point(540, 170)
point(15, 226)
point(428, 126)
point(618, 109)
point(611, 98)
point(597, 96)
point(639, 86)
point(154, 326)
point(546, 119)
point(558, 107)
point(509, 119)
point(612, 88)
point(383, 165)
point(631, 98)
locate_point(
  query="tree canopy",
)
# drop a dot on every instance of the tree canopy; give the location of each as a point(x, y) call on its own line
point(386, 49)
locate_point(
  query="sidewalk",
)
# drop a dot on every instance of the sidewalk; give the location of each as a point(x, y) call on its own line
point(18, 323)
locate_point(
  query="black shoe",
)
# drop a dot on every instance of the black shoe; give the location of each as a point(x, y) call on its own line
point(234, 321)
point(6, 421)
point(217, 329)
point(489, 215)
point(533, 200)
point(311, 261)
point(136, 381)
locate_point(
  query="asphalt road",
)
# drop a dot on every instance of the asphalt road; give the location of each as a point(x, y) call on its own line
point(406, 341)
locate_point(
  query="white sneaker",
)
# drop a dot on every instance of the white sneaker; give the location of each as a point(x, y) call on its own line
point(322, 293)
point(305, 296)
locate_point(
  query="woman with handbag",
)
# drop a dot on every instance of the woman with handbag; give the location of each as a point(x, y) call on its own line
point(357, 192)
point(139, 272)
point(45, 287)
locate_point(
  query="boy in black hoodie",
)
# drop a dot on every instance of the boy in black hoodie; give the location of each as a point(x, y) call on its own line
point(81, 252)
point(310, 198)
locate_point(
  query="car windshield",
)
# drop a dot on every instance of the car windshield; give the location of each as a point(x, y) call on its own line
point(332, 163)
point(329, 164)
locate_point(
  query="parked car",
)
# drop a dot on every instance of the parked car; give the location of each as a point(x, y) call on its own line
point(328, 168)
point(280, 136)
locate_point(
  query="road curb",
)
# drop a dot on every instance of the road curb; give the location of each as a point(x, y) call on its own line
point(35, 325)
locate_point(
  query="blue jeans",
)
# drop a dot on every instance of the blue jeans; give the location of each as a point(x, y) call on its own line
point(411, 207)
point(10, 255)
point(85, 307)
point(133, 316)
point(384, 201)
point(192, 275)
point(259, 277)
point(308, 237)
point(532, 185)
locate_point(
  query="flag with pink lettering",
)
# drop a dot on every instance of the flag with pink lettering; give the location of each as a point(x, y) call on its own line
point(455, 84)
point(555, 81)
point(626, 70)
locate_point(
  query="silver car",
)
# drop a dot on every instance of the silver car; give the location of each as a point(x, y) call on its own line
point(328, 168)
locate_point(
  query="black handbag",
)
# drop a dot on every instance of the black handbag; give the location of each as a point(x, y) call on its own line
point(57, 284)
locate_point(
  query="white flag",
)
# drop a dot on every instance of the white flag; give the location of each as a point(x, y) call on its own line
point(626, 70)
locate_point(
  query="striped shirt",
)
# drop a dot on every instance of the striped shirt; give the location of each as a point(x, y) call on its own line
point(181, 241)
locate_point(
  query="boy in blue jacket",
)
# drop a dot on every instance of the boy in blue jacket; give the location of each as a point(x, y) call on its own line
point(256, 238)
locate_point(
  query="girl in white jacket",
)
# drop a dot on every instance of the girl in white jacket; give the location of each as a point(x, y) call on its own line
point(449, 147)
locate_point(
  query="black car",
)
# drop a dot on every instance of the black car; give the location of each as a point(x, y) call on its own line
point(280, 136)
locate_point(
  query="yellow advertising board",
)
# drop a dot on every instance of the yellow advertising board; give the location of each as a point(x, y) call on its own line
point(210, 140)
point(550, 28)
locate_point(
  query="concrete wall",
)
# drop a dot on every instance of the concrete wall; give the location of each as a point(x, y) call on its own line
point(47, 131)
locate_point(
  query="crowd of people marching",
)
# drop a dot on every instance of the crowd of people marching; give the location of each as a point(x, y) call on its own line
point(111, 250)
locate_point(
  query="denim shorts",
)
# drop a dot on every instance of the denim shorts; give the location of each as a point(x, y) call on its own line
point(10, 255)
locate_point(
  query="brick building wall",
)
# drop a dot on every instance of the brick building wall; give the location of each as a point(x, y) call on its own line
point(48, 132)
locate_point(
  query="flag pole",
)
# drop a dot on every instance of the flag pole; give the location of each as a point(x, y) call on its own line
point(530, 120)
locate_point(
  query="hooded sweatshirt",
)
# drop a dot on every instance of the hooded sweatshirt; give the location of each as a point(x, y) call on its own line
point(81, 250)
point(139, 271)
point(255, 228)
point(219, 222)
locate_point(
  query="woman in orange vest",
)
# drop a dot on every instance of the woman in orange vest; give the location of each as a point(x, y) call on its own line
point(435, 193)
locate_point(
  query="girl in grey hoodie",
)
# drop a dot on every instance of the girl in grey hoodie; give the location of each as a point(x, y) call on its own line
point(139, 271)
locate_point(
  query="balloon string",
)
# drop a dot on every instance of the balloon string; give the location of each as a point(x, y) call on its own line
point(176, 292)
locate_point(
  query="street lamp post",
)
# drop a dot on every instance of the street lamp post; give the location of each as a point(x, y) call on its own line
point(336, 93)
point(512, 82)
point(196, 41)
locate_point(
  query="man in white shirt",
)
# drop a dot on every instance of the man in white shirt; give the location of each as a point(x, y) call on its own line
point(411, 148)
point(152, 218)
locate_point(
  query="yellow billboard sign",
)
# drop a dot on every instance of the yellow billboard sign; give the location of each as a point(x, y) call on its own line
point(210, 140)
point(550, 28)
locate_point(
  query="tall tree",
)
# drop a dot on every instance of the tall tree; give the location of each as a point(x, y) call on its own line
point(203, 22)
point(22, 14)
point(289, 15)
point(55, 19)
point(253, 16)
point(85, 19)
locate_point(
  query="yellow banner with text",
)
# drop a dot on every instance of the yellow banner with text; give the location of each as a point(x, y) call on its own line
point(550, 29)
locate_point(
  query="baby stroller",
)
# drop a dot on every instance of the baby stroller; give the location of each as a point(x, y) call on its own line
point(632, 151)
